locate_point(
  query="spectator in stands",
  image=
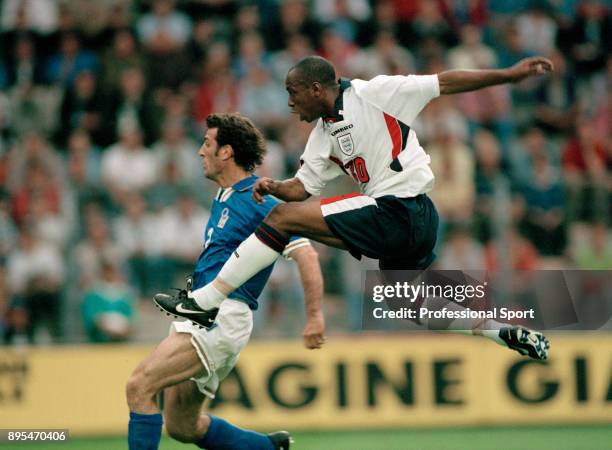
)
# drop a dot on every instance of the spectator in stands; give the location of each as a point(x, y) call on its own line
point(344, 16)
point(47, 222)
point(337, 49)
point(545, 221)
point(533, 142)
point(430, 33)
point(8, 230)
point(471, 53)
point(108, 307)
point(24, 69)
point(137, 233)
point(204, 33)
point(293, 18)
point(91, 252)
point(181, 233)
point(259, 88)
point(83, 163)
point(489, 181)
point(127, 165)
point(298, 47)
point(589, 40)
point(489, 107)
point(36, 15)
point(164, 32)
point(453, 162)
point(382, 18)
point(132, 105)
point(179, 149)
point(385, 56)
point(122, 55)
point(36, 273)
point(63, 67)
point(118, 20)
point(251, 53)
point(32, 149)
point(586, 171)
point(247, 21)
point(537, 28)
point(461, 251)
point(38, 183)
point(596, 252)
point(510, 50)
point(218, 90)
point(474, 12)
point(82, 108)
point(556, 108)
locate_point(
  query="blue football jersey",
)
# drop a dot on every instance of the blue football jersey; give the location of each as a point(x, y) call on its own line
point(234, 217)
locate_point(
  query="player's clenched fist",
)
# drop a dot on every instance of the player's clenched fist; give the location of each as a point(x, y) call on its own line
point(314, 331)
point(263, 186)
point(528, 67)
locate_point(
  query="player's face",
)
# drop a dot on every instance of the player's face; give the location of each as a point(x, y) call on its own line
point(209, 152)
point(303, 99)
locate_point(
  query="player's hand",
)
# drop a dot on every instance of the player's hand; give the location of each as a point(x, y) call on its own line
point(314, 331)
point(262, 186)
point(530, 67)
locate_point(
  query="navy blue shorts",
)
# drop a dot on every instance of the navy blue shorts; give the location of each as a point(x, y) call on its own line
point(400, 232)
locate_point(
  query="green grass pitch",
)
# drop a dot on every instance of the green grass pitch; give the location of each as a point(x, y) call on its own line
point(497, 438)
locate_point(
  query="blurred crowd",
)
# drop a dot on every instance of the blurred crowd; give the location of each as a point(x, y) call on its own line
point(102, 106)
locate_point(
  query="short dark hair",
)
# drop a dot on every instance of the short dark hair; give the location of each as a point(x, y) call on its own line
point(238, 131)
point(316, 69)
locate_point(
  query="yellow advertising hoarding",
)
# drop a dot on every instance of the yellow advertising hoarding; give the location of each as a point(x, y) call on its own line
point(361, 382)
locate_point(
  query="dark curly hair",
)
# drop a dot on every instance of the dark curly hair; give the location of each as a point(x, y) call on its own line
point(238, 131)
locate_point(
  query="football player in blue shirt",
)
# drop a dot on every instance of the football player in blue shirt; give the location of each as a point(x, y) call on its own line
point(189, 364)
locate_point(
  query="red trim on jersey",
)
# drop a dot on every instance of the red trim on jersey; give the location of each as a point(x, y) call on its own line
point(396, 135)
point(337, 198)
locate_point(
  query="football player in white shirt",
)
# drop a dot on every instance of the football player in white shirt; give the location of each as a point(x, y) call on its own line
point(363, 130)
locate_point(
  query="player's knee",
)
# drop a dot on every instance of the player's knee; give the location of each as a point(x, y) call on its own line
point(139, 388)
point(180, 433)
point(132, 390)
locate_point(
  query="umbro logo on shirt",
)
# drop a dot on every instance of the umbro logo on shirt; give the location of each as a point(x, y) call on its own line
point(340, 130)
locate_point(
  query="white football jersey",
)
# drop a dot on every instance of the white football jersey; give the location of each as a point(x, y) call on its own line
point(370, 138)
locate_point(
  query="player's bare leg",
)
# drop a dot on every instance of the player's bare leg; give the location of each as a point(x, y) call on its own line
point(525, 341)
point(182, 412)
point(169, 368)
point(186, 423)
point(173, 361)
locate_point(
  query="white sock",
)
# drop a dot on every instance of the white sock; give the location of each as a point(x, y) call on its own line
point(208, 297)
point(250, 257)
point(491, 331)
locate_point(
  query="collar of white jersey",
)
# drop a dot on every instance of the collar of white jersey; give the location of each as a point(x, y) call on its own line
point(344, 84)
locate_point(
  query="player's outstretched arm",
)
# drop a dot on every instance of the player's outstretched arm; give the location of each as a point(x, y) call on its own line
point(455, 81)
point(291, 190)
point(307, 260)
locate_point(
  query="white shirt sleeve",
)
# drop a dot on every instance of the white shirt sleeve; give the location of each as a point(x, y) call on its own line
point(402, 97)
point(316, 169)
